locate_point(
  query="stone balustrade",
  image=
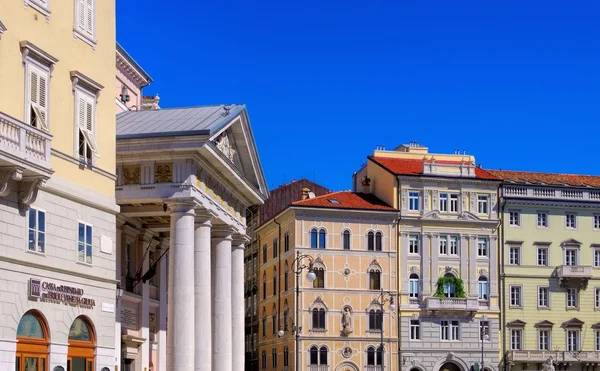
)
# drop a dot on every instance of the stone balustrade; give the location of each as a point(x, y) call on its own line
point(551, 193)
point(451, 304)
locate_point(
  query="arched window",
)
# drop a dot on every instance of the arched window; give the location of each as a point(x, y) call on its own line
point(323, 355)
point(371, 241)
point(286, 242)
point(318, 318)
point(374, 279)
point(275, 247)
point(264, 253)
point(319, 282)
point(286, 315)
point(274, 353)
point(274, 281)
point(413, 285)
point(82, 344)
point(286, 277)
point(264, 285)
point(375, 319)
point(318, 356)
point(317, 238)
point(286, 356)
point(483, 288)
point(346, 240)
point(274, 319)
point(263, 358)
point(374, 358)
point(264, 322)
point(322, 235)
point(32, 342)
point(378, 239)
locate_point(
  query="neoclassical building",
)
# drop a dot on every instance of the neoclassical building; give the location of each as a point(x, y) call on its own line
point(57, 186)
point(185, 178)
point(350, 240)
point(448, 279)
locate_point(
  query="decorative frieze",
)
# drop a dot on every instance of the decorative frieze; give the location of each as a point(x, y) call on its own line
point(163, 172)
point(132, 174)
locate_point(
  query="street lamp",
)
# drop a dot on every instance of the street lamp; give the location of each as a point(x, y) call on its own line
point(299, 265)
point(484, 335)
point(382, 299)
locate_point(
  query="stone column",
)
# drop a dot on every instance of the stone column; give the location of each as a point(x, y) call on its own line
point(144, 306)
point(180, 330)
point(162, 311)
point(202, 292)
point(221, 299)
point(237, 302)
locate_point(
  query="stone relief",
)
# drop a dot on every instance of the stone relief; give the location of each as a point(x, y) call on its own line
point(225, 147)
point(132, 175)
point(163, 173)
point(346, 321)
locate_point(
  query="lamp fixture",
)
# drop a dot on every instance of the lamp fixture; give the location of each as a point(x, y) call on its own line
point(124, 94)
point(119, 292)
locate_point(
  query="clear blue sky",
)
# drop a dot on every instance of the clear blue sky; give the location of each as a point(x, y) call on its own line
point(516, 84)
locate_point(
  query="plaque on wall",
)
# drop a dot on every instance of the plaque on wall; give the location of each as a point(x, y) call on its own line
point(129, 318)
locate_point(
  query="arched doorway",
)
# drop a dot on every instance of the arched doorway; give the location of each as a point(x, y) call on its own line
point(82, 342)
point(449, 366)
point(32, 343)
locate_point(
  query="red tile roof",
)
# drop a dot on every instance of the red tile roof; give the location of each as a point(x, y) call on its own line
point(527, 177)
point(346, 200)
point(403, 166)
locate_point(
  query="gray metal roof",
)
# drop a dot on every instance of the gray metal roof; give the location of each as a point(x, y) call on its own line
point(204, 120)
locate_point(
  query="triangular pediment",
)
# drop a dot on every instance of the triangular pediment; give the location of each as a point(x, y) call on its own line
point(573, 322)
point(466, 215)
point(544, 323)
point(516, 323)
point(596, 326)
point(570, 241)
point(431, 215)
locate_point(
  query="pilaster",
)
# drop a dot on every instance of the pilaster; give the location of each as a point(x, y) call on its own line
point(403, 251)
point(162, 311)
point(430, 266)
point(473, 266)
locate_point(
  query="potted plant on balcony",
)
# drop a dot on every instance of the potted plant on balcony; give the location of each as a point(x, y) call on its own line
point(455, 282)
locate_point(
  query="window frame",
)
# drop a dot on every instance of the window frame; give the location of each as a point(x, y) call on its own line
point(85, 244)
point(274, 356)
point(275, 247)
point(547, 256)
point(375, 319)
point(89, 37)
point(453, 201)
point(540, 305)
point(286, 241)
point(317, 232)
point(486, 245)
point(376, 279)
point(33, 66)
point(413, 286)
point(572, 298)
point(519, 332)
point(512, 258)
point(346, 233)
point(414, 329)
point(483, 204)
point(485, 325)
point(596, 222)
point(571, 214)
point(40, 7)
point(443, 204)
point(575, 251)
point(596, 298)
point(596, 257)
point(548, 333)
point(414, 201)
point(443, 245)
point(513, 304)
point(89, 136)
point(577, 333)
point(321, 318)
point(483, 284)
point(36, 230)
point(546, 223)
point(514, 218)
point(414, 238)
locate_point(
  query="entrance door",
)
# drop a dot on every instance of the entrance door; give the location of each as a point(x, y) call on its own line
point(128, 365)
point(449, 367)
point(81, 346)
point(32, 343)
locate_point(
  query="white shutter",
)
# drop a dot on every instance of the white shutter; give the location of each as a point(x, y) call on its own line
point(38, 93)
point(89, 17)
point(81, 111)
point(85, 121)
point(81, 14)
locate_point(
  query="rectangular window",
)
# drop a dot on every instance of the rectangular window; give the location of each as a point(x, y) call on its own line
point(570, 220)
point(444, 202)
point(274, 353)
point(445, 330)
point(514, 219)
point(286, 242)
point(597, 340)
point(455, 330)
point(571, 257)
point(596, 221)
point(515, 296)
point(413, 286)
point(84, 249)
point(413, 244)
point(484, 330)
point(37, 231)
point(453, 245)
point(597, 298)
point(85, 116)
point(573, 340)
point(542, 220)
point(415, 330)
point(443, 245)
point(84, 18)
point(275, 247)
point(542, 256)
point(482, 246)
point(544, 340)
point(482, 204)
point(453, 203)
point(516, 339)
point(597, 258)
point(543, 297)
point(483, 289)
point(413, 201)
point(514, 256)
point(572, 298)
point(37, 96)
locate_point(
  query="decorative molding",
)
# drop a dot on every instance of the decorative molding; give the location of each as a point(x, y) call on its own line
point(35, 4)
point(78, 78)
point(132, 174)
point(163, 172)
point(467, 215)
point(29, 50)
point(28, 196)
point(6, 178)
point(130, 70)
point(2, 29)
point(431, 215)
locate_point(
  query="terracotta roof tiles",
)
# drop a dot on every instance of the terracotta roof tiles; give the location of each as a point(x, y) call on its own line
point(346, 200)
point(403, 166)
point(527, 177)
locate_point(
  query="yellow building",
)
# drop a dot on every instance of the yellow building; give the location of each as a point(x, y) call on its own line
point(57, 174)
point(447, 257)
point(550, 238)
point(350, 241)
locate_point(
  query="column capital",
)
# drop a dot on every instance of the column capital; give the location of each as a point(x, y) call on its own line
point(203, 217)
point(222, 232)
point(239, 241)
point(180, 205)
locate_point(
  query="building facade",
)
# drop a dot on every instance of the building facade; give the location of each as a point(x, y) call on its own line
point(349, 239)
point(550, 238)
point(448, 279)
point(57, 161)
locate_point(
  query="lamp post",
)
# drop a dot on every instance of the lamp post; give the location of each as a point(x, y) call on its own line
point(299, 264)
point(382, 299)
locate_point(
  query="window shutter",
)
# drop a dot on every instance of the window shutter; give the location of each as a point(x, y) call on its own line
point(88, 115)
point(81, 112)
point(81, 14)
point(89, 14)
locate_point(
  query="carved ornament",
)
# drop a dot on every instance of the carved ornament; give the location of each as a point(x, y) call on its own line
point(163, 173)
point(6, 177)
point(132, 175)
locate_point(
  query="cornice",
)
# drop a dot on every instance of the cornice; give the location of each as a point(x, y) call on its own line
point(131, 71)
point(551, 203)
point(449, 180)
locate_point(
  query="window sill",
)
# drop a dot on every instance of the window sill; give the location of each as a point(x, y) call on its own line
point(39, 7)
point(373, 331)
point(39, 253)
point(83, 37)
point(515, 306)
point(572, 308)
point(543, 308)
point(320, 330)
point(90, 265)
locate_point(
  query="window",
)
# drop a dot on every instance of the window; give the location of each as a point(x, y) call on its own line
point(413, 201)
point(375, 319)
point(453, 245)
point(413, 244)
point(573, 340)
point(542, 220)
point(264, 327)
point(318, 318)
point(265, 286)
point(443, 245)
point(318, 356)
point(37, 231)
point(317, 238)
point(514, 255)
point(516, 339)
point(454, 203)
point(572, 298)
point(543, 297)
point(263, 358)
point(597, 298)
point(84, 20)
point(570, 220)
point(415, 330)
point(444, 202)
point(444, 330)
point(346, 240)
point(37, 96)
point(274, 321)
point(542, 256)
point(274, 353)
point(514, 218)
point(371, 241)
point(286, 242)
point(84, 250)
point(455, 330)
point(286, 315)
point(378, 242)
point(374, 357)
point(274, 281)
point(264, 253)
point(515, 296)
point(286, 279)
point(484, 330)
point(32, 342)
point(286, 356)
point(544, 339)
point(596, 221)
point(570, 256)
point(85, 115)
point(597, 340)
point(450, 330)
point(374, 279)
point(449, 289)
point(413, 286)
point(319, 281)
point(483, 288)
point(482, 204)
point(597, 258)
point(275, 247)
point(482, 247)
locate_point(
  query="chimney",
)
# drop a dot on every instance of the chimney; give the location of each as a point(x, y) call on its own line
point(305, 193)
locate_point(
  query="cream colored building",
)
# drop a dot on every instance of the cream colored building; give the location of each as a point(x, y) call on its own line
point(57, 174)
point(351, 240)
point(448, 279)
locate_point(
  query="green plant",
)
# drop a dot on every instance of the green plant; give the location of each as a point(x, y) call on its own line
point(459, 287)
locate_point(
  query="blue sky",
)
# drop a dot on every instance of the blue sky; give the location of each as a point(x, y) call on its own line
point(515, 84)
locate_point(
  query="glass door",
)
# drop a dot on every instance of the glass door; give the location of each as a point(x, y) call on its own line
point(30, 362)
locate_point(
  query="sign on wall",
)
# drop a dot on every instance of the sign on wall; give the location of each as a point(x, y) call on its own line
point(129, 318)
point(61, 294)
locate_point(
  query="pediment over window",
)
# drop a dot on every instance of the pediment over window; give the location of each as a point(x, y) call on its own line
point(431, 215)
point(318, 303)
point(544, 324)
point(2, 29)
point(596, 326)
point(466, 215)
point(516, 323)
point(513, 242)
point(570, 242)
point(573, 322)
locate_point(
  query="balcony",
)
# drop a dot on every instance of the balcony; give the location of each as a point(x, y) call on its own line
point(436, 304)
point(24, 156)
point(574, 275)
point(318, 367)
point(538, 356)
